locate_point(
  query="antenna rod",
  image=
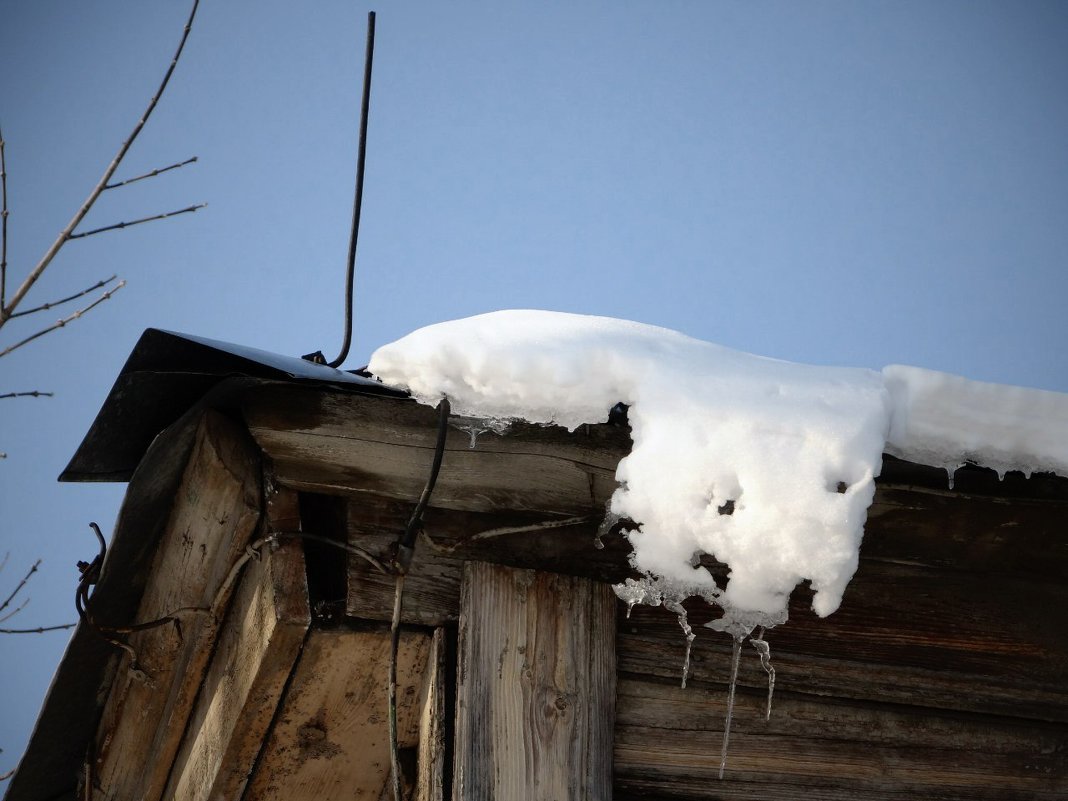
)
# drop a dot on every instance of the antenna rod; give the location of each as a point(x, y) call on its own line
point(361, 157)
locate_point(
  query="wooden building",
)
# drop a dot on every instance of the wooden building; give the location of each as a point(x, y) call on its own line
point(944, 674)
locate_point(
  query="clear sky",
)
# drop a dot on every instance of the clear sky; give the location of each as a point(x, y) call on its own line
point(852, 183)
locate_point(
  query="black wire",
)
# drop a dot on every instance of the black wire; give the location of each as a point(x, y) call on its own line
point(406, 547)
point(405, 550)
point(357, 204)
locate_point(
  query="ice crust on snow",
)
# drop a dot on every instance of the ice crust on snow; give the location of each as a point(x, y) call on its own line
point(767, 465)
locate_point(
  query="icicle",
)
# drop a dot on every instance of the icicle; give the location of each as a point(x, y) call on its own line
point(736, 654)
point(610, 520)
point(678, 609)
point(951, 471)
point(474, 426)
point(765, 661)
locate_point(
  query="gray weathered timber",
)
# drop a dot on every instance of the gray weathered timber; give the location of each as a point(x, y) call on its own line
point(360, 444)
point(258, 646)
point(433, 748)
point(536, 687)
point(214, 514)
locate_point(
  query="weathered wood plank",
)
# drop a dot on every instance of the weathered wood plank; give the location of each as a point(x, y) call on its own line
point(902, 635)
point(258, 646)
point(977, 534)
point(536, 687)
point(433, 748)
point(330, 740)
point(359, 444)
point(668, 741)
point(432, 588)
point(215, 512)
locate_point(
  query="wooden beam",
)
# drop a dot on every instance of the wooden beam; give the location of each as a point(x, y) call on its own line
point(536, 687)
point(258, 646)
point(363, 444)
point(215, 511)
point(330, 739)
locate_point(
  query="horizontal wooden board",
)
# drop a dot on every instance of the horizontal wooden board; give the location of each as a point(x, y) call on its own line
point(902, 635)
point(361, 444)
point(432, 588)
point(668, 744)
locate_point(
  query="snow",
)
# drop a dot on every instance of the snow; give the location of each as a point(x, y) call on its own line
point(945, 420)
point(767, 465)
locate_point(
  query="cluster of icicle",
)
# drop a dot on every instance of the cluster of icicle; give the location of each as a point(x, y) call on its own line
point(740, 625)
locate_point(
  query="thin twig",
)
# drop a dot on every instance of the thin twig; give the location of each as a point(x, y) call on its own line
point(34, 394)
point(120, 225)
point(3, 223)
point(152, 174)
point(64, 235)
point(39, 629)
point(65, 320)
point(21, 584)
point(45, 306)
point(15, 611)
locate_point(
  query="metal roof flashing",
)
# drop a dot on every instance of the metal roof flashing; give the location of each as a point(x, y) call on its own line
point(167, 373)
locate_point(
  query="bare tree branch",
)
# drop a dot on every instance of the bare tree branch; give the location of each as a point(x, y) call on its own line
point(21, 584)
point(46, 306)
point(3, 223)
point(65, 234)
point(36, 393)
point(64, 321)
point(121, 225)
point(15, 611)
point(152, 174)
point(39, 629)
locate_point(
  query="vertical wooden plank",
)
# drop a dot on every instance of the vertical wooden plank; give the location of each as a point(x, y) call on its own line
point(330, 740)
point(258, 647)
point(430, 776)
point(216, 509)
point(536, 686)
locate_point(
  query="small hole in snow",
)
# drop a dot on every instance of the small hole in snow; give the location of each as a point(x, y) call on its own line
point(727, 508)
point(842, 487)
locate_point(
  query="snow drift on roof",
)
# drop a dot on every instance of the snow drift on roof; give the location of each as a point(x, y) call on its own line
point(767, 465)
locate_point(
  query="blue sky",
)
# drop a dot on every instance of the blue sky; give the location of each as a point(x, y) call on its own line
point(856, 183)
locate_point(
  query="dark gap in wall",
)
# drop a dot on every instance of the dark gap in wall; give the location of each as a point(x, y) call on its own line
point(325, 516)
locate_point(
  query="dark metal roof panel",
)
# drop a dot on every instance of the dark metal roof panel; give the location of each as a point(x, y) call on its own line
point(165, 374)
